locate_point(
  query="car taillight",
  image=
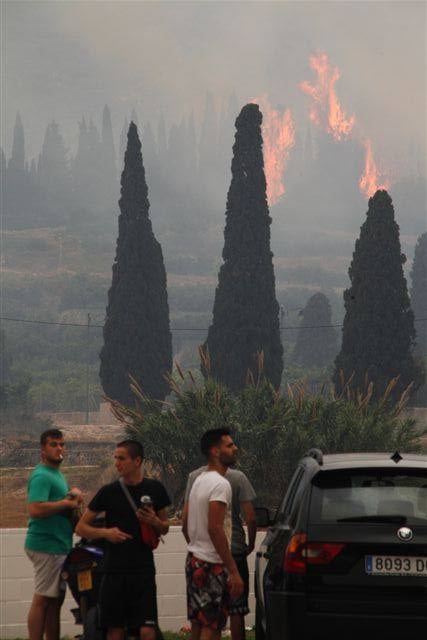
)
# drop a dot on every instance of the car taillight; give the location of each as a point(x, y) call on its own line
point(294, 560)
point(322, 552)
point(299, 553)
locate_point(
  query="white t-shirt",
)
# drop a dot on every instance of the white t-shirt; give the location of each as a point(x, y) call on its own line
point(210, 486)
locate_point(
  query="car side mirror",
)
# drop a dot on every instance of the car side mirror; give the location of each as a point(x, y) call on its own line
point(264, 517)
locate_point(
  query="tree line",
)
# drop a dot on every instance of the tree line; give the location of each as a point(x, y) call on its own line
point(187, 165)
point(60, 188)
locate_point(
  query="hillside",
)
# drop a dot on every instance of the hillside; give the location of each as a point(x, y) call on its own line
point(59, 275)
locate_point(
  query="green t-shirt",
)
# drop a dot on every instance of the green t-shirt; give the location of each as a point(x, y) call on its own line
point(53, 534)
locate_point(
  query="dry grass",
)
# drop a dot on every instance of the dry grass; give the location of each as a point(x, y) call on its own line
point(13, 506)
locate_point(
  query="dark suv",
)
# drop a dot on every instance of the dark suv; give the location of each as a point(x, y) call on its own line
point(346, 554)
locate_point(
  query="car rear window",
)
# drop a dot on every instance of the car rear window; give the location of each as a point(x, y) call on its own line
point(369, 493)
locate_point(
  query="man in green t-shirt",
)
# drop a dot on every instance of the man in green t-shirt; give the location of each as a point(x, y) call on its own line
point(49, 536)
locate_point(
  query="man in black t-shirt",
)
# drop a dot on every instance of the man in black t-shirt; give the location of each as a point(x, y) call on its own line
point(128, 590)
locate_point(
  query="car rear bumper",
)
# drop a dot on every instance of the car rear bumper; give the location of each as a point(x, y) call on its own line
point(288, 619)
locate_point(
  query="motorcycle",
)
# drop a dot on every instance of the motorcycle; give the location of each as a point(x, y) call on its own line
point(83, 570)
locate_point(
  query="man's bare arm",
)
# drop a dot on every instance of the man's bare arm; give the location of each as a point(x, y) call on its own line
point(216, 532)
point(85, 529)
point(46, 509)
point(250, 519)
point(157, 519)
point(185, 522)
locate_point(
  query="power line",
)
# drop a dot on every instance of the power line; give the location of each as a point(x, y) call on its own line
point(176, 329)
point(59, 324)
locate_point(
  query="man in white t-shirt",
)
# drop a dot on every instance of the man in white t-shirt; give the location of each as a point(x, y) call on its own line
point(243, 496)
point(212, 575)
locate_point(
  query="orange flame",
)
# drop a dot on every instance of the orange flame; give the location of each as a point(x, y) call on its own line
point(325, 109)
point(369, 182)
point(278, 132)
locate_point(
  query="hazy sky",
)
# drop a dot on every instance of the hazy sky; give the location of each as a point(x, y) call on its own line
point(64, 59)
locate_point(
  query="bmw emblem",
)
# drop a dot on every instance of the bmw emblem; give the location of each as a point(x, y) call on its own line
point(405, 534)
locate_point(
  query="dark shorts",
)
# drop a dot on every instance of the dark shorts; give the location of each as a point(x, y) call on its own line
point(128, 600)
point(241, 605)
point(207, 593)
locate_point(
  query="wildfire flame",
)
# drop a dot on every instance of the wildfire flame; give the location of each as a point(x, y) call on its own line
point(278, 132)
point(370, 181)
point(326, 110)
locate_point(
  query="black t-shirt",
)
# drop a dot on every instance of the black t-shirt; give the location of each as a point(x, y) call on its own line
point(132, 556)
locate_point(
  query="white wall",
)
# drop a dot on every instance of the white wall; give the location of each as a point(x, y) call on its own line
point(16, 585)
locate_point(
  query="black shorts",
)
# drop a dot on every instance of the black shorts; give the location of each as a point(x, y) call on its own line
point(128, 600)
point(241, 605)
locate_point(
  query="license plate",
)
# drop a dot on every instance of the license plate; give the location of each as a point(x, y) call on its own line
point(396, 565)
point(84, 580)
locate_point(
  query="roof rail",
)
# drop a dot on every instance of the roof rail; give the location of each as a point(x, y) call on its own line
point(316, 454)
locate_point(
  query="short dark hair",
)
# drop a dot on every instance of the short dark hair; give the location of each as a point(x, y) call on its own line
point(212, 438)
point(133, 447)
point(50, 433)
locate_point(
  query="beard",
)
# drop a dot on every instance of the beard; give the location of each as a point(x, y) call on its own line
point(55, 461)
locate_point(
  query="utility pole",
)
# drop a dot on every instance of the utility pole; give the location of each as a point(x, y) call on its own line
point(87, 367)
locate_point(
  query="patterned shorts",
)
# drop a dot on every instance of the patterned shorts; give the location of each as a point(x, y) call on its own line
point(207, 592)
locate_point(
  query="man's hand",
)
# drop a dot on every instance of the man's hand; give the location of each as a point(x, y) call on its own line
point(116, 535)
point(235, 585)
point(148, 515)
point(76, 493)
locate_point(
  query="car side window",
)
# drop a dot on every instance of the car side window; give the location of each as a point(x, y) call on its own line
point(293, 491)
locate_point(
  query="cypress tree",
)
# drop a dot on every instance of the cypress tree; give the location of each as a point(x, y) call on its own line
point(17, 159)
point(137, 338)
point(378, 331)
point(246, 312)
point(419, 294)
point(316, 347)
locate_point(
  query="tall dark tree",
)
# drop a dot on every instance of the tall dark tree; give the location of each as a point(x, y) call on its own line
point(378, 332)
point(246, 312)
point(316, 347)
point(137, 337)
point(419, 294)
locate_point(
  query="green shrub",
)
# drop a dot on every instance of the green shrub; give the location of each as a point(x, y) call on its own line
point(272, 429)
